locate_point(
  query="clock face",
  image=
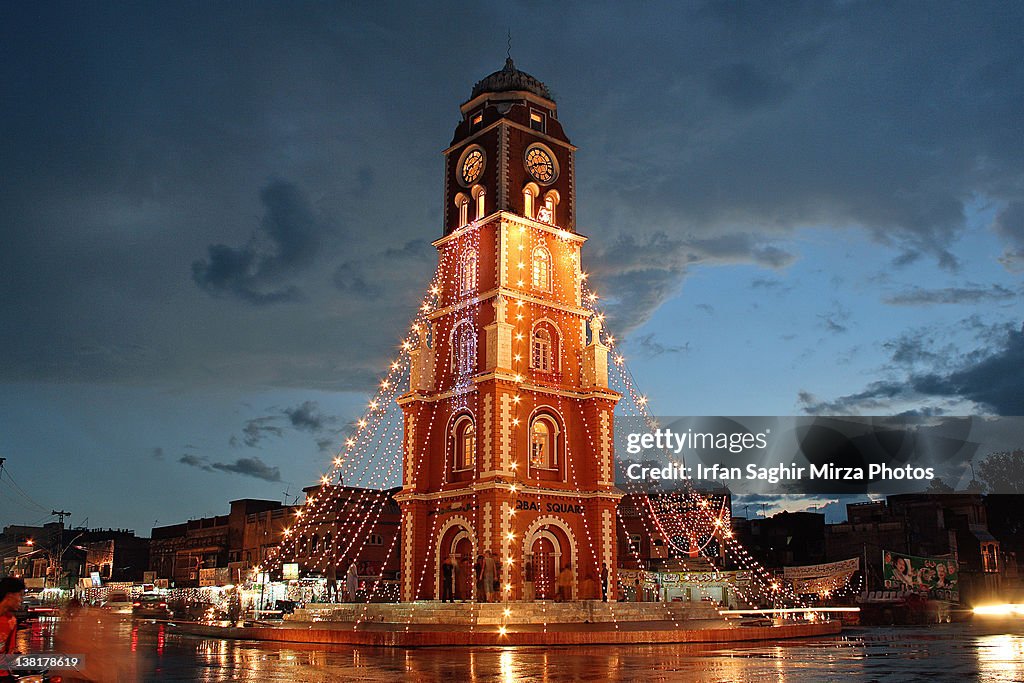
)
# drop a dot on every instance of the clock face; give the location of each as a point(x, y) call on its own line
point(472, 166)
point(540, 164)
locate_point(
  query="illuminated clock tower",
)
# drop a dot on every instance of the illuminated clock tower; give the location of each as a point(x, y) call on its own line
point(508, 441)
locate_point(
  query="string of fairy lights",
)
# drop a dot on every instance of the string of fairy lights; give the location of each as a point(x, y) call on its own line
point(378, 447)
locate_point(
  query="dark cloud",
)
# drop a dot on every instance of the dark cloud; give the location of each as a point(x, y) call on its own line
point(196, 461)
point(1009, 224)
point(307, 417)
point(258, 429)
point(413, 263)
point(989, 377)
point(836, 320)
point(649, 347)
point(636, 274)
point(327, 445)
point(251, 467)
point(971, 294)
point(736, 126)
point(288, 241)
point(770, 285)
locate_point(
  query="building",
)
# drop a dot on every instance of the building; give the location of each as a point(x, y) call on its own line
point(180, 552)
point(869, 529)
point(34, 553)
point(115, 554)
point(356, 525)
point(942, 525)
point(508, 420)
point(786, 539)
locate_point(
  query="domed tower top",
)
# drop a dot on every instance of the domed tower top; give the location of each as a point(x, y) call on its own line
point(509, 153)
point(509, 79)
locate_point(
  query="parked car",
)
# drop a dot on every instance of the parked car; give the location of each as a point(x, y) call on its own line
point(151, 606)
point(33, 607)
point(118, 602)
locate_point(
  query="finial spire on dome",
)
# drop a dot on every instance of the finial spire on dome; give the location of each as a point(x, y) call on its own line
point(509, 78)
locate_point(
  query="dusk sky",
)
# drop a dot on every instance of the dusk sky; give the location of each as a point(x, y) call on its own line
point(215, 220)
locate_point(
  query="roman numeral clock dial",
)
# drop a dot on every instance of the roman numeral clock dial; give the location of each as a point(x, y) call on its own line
point(472, 166)
point(541, 164)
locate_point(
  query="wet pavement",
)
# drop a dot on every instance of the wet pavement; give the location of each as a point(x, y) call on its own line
point(131, 651)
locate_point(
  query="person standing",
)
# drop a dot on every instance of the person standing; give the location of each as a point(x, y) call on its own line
point(528, 594)
point(604, 581)
point(490, 577)
point(351, 582)
point(332, 583)
point(448, 579)
point(12, 590)
point(565, 581)
point(478, 571)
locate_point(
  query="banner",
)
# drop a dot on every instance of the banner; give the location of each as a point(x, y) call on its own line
point(813, 571)
point(207, 577)
point(936, 576)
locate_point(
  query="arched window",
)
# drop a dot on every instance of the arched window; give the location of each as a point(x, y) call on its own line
point(542, 269)
point(462, 204)
point(530, 194)
point(547, 211)
point(543, 443)
point(540, 356)
point(467, 272)
point(464, 436)
point(463, 349)
point(480, 195)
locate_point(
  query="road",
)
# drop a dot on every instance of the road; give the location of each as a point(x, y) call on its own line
point(140, 651)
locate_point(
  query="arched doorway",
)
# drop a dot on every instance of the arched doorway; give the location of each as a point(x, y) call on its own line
point(462, 549)
point(456, 540)
point(545, 557)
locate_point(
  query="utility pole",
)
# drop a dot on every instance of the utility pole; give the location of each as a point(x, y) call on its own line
point(60, 544)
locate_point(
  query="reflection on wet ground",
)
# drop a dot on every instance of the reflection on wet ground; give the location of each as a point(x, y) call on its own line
point(143, 651)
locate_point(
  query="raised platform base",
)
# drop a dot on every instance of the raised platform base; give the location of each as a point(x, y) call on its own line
point(541, 612)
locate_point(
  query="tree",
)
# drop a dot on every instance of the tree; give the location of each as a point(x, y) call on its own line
point(1003, 472)
point(938, 486)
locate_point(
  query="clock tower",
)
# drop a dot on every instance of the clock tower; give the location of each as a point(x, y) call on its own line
point(508, 420)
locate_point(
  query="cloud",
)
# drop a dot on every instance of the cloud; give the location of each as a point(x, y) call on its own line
point(971, 294)
point(258, 429)
point(1009, 224)
point(389, 273)
point(988, 377)
point(157, 453)
point(707, 308)
point(636, 274)
point(250, 467)
point(196, 461)
point(650, 348)
point(307, 417)
point(835, 321)
point(736, 127)
point(288, 241)
point(770, 285)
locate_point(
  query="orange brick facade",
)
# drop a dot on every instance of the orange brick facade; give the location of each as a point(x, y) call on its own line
point(508, 442)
